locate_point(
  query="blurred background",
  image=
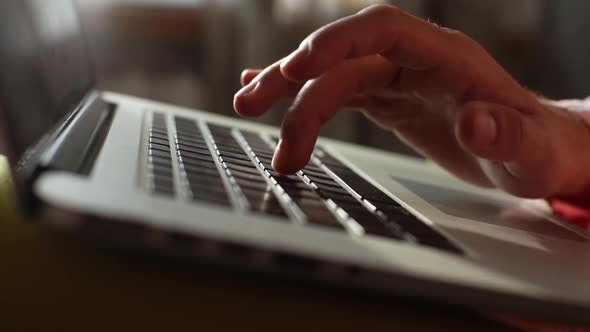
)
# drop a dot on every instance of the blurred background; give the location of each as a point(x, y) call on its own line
point(191, 52)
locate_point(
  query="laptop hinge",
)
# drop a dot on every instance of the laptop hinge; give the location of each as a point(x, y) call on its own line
point(75, 149)
point(71, 147)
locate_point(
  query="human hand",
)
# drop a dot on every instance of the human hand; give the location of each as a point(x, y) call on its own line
point(436, 89)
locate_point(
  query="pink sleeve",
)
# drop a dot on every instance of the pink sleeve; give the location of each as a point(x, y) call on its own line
point(571, 212)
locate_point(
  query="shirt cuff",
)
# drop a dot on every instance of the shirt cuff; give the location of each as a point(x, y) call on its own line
point(571, 212)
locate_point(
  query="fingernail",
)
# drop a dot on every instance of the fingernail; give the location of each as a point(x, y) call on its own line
point(280, 150)
point(245, 72)
point(487, 128)
point(247, 90)
point(296, 58)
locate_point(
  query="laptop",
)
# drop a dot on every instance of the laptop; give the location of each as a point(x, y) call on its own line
point(138, 173)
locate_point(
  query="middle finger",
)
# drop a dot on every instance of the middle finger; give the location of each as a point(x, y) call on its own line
point(262, 90)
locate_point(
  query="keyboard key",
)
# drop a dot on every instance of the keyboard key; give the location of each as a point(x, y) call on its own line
point(156, 140)
point(208, 192)
point(292, 185)
point(158, 131)
point(190, 128)
point(252, 184)
point(364, 187)
point(391, 208)
point(190, 141)
point(187, 157)
point(243, 173)
point(160, 143)
point(310, 203)
point(226, 140)
point(220, 200)
point(195, 162)
point(326, 183)
point(344, 200)
point(208, 174)
point(200, 181)
point(159, 154)
point(257, 196)
point(201, 171)
point(238, 156)
point(322, 216)
point(230, 148)
point(160, 171)
point(159, 127)
point(252, 169)
point(237, 162)
point(312, 167)
point(219, 130)
point(194, 149)
point(194, 153)
point(261, 148)
point(182, 122)
point(160, 161)
point(329, 191)
point(264, 161)
point(240, 176)
point(159, 147)
point(369, 222)
point(211, 196)
point(268, 204)
point(283, 178)
point(161, 181)
point(265, 153)
point(189, 146)
point(254, 139)
point(205, 188)
point(313, 175)
point(300, 195)
point(169, 191)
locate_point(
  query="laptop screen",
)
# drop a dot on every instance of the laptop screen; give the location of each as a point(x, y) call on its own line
point(44, 69)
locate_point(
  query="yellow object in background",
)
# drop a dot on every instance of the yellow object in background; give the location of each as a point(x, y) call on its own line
point(8, 208)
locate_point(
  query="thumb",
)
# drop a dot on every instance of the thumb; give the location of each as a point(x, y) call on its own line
point(495, 132)
point(516, 146)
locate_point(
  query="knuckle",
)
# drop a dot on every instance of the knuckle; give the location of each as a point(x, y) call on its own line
point(458, 37)
point(382, 10)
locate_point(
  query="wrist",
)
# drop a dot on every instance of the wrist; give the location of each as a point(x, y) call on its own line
point(574, 207)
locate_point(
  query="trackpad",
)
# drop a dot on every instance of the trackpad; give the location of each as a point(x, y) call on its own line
point(485, 209)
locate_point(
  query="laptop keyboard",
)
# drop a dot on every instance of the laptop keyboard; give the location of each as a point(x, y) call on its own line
point(232, 168)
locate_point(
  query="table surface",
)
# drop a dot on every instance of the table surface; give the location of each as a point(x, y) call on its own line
point(47, 279)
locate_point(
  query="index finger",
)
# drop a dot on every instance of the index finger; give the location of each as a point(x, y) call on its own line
point(455, 61)
point(379, 29)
